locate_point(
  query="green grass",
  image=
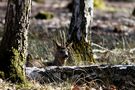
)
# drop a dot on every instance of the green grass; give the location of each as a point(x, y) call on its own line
point(113, 49)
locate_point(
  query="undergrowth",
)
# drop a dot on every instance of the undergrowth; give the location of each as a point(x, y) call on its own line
point(107, 48)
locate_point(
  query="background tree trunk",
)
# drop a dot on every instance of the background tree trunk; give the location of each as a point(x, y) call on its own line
point(13, 47)
point(78, 32)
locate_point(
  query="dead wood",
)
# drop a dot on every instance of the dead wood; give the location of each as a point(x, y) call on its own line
point(118, 75)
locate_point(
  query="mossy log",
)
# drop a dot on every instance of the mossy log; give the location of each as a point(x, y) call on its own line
point(117, 75)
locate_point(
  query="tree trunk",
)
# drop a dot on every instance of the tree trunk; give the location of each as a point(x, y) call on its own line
point(13, 47)
point(79, 32)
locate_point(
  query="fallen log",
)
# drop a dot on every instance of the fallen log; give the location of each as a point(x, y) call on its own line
point(116, 74)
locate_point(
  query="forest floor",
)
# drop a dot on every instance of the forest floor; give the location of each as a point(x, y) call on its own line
point(113, 31)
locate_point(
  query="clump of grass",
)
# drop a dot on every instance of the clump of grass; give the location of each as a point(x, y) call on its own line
point(114, 56)
point(39, 48)
point(36, 86)
point(4, 85)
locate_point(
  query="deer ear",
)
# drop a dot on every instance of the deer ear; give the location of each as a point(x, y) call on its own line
point(29, 57)
point(68, 45)
point(57, 44)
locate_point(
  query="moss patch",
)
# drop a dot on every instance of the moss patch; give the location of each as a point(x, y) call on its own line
point(82, 53)
point(99, 4)
point(17, 61)
point(44, 15)
point(2, 75)
point(39, 1)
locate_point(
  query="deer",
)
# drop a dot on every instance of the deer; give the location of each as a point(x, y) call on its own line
point(60, 57)
point(30, 62)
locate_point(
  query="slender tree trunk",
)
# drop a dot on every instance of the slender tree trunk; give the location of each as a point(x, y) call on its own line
point(78, 32)
point(13, 47)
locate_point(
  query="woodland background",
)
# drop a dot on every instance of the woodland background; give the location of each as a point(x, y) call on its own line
point(113, 30)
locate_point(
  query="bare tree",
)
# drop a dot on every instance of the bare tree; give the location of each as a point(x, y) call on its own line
point(78, 32)
point(13, 47)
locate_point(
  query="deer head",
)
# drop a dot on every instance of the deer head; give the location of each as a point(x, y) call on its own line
point(61, 54)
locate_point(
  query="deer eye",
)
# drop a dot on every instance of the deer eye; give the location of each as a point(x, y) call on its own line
point(61, 51)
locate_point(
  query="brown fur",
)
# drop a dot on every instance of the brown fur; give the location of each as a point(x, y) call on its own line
point(61, 55)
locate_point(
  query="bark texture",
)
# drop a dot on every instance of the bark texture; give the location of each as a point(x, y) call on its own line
point(13, 47)
point(78, 32)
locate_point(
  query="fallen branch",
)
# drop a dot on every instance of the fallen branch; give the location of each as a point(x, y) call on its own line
point(117, 74)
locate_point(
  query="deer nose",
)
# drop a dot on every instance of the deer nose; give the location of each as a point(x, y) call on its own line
point(66, 56)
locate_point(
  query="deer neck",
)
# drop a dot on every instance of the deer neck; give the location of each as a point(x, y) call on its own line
point(58, 61)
